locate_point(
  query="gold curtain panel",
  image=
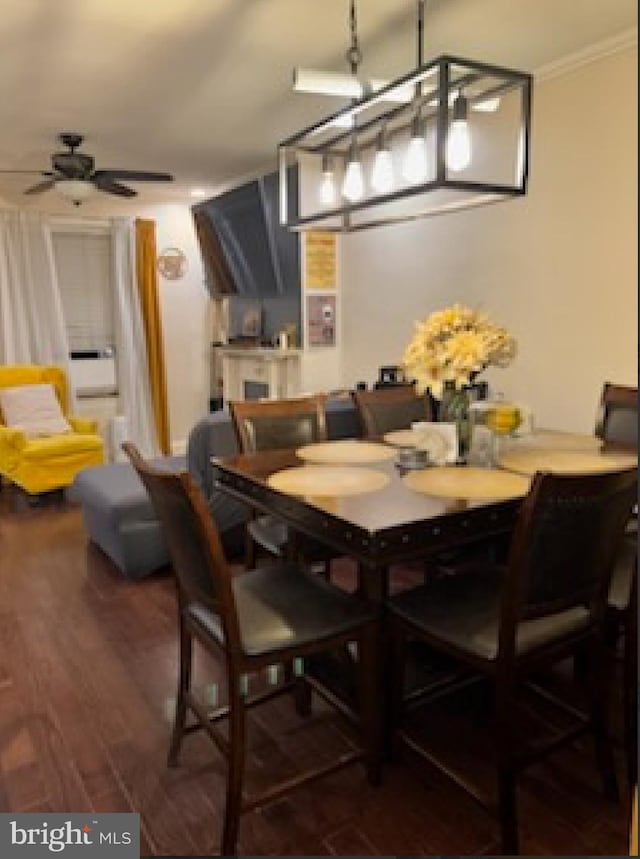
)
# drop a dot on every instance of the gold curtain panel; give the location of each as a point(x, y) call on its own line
point(149, 304)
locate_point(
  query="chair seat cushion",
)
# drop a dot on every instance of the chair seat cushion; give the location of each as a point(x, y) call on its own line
point(464, 611)
point(282, 607)
point(61, 445)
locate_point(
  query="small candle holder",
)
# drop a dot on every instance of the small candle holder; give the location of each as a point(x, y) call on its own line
point(412, 459)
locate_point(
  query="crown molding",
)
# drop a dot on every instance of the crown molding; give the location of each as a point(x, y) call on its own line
point(613, 45)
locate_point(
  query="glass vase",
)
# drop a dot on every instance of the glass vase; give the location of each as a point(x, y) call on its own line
point(454, 408)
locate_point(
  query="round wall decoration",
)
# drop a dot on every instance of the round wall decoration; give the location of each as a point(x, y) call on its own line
point(172, 263)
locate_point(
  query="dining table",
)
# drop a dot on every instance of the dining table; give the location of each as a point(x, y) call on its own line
point(356, 498)
point(385, 523)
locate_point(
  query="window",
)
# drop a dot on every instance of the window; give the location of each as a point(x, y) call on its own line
point(83, 264)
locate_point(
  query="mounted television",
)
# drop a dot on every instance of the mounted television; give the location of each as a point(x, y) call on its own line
point(245, 250)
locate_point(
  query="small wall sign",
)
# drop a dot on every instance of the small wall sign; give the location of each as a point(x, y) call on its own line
point(320, 260)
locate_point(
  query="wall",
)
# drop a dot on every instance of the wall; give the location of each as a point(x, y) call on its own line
point(557, 267)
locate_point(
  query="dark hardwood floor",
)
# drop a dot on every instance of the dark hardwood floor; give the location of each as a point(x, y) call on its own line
point(87, 675)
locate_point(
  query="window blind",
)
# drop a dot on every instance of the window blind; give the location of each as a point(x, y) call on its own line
point(83, 264)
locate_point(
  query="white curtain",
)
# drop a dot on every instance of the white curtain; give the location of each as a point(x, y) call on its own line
point(32, 327)
point(131, 351)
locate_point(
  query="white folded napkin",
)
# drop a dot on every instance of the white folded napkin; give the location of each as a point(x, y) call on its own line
point(440, 440)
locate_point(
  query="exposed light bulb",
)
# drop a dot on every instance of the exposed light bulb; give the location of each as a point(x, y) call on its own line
point(353, 185)
point(414, 168)
point(327, 190)
point(382, 174)
point(459, 138)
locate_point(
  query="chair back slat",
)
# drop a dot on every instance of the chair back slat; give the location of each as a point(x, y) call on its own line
point(278, 424)
point(202, 573)
point(617, 422)
point(564, 546)
point(387, 409)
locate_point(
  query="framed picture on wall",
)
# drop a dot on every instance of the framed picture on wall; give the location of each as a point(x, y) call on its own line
point(321, 320)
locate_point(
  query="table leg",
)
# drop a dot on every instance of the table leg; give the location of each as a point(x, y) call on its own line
point(373, 583)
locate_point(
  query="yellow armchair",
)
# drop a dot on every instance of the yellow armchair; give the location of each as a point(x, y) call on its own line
point(50, 462)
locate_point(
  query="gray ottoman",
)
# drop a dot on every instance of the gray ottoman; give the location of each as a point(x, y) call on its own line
point(119, 517)
point(118, 514)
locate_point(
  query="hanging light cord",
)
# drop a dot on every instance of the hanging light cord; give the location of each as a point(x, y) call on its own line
point(354, 53)
point(420, 31)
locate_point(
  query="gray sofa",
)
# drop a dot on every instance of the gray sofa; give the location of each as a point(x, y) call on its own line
point(118, 514)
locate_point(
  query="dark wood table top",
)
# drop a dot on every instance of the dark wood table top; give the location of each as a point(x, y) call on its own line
point(388, 524)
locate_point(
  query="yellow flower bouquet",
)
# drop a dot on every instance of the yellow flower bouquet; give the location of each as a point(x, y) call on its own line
point(454, 345)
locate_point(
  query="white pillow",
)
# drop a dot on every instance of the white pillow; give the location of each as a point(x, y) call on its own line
point(34, 409)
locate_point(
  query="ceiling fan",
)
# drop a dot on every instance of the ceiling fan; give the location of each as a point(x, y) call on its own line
point(73, 174)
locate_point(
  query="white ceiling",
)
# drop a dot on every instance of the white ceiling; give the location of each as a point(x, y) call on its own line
point(202, 88)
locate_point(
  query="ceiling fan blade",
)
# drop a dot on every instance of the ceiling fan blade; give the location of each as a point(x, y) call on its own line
point(45, 185)
point(28, 172)
point(105, 183)
point(134, 175)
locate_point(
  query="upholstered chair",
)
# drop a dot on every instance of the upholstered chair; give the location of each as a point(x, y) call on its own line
point(46, 462)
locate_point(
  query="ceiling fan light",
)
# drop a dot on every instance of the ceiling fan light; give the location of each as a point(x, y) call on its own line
point(77, 190)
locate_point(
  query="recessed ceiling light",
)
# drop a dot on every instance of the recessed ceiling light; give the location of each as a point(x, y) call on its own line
point(198, 192)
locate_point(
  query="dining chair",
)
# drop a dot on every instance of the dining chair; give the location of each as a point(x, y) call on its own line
point(503, 624)
point(254, 620)
point(386, 409)
point(617, 421)
point(275, 425)
point(617, 426)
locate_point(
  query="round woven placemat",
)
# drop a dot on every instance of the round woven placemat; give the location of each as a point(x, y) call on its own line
point(402, 438)
point(327, 480)
point(564, 461)
point(558, 441)
point(346, 452)
point(467, 483)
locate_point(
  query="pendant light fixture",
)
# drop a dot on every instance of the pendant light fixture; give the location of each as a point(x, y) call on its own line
point(407, 146)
